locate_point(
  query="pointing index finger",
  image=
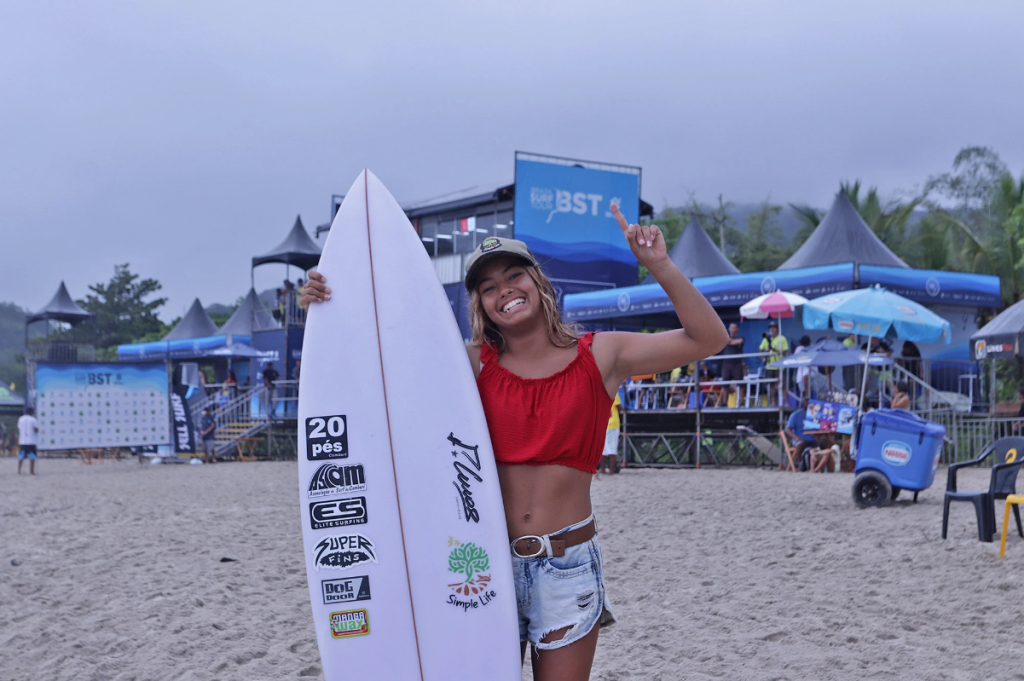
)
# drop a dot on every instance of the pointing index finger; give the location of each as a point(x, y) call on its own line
point(621, 219)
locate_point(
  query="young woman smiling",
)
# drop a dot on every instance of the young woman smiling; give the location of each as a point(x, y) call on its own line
point(546, 392)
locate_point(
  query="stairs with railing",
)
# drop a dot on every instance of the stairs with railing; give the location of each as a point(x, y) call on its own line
point(236, 416)
point(925, 397)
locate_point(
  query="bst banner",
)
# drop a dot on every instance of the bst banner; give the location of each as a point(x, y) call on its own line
point(563, 213)
point(82, 406)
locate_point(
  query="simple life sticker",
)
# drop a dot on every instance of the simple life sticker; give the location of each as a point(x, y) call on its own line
point(326, 437)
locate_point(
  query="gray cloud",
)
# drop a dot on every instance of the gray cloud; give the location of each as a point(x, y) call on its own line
point(184, 137)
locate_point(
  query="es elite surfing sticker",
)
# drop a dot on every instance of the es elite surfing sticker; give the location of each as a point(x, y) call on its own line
point(337, 513)
point(326, 437)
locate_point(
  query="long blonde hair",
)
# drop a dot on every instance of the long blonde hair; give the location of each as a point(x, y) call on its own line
point(562, 333)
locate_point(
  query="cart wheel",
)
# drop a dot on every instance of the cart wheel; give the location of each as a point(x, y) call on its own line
point(895, 493)
point(871, 489)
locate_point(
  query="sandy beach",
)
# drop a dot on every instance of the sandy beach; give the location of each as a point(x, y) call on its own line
point(114, 571)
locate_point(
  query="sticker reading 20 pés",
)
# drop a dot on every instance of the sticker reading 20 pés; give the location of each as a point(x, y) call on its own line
point(326, 438)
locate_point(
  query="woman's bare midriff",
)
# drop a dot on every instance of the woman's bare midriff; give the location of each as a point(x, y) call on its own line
point(543, 499)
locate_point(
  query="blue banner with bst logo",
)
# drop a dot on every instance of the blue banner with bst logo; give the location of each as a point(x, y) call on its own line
point(83, 406)
point(563, 213)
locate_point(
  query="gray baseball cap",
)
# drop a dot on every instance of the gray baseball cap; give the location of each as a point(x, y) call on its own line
point(493, 247)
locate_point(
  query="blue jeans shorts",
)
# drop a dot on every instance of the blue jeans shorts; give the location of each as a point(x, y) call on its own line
point(27, 451)
point(559, 592)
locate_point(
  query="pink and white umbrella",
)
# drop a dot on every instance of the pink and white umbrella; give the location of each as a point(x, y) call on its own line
point(777, 305)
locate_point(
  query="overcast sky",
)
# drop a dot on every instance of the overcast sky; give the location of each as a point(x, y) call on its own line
point(184, 137)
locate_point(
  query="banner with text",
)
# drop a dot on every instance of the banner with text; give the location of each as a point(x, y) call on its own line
point(82, 406)
point(563, 213)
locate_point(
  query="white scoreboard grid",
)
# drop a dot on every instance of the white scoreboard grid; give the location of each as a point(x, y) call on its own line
point(81, 406)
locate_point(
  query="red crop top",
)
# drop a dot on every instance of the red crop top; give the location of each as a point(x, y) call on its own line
point(557, 420)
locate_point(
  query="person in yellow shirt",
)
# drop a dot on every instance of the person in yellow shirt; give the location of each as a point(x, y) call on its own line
point(778, 347)
point(610, 456)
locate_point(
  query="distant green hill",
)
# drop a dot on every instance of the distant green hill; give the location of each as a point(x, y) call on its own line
point(12, 346)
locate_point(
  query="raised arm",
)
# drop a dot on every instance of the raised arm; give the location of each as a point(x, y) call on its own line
point(620, 354)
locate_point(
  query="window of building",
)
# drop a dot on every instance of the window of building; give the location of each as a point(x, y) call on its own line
point(428, 235)
point(503, 227)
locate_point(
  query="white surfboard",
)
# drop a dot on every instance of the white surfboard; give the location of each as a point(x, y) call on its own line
point(404, 532)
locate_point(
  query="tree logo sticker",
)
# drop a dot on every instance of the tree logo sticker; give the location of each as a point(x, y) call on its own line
point(473, 565)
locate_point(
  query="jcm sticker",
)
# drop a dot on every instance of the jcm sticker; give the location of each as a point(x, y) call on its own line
point(895, 452)
point(350, 623)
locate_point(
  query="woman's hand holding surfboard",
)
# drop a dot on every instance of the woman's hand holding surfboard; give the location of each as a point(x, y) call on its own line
point(646, 241)
point(315, 291)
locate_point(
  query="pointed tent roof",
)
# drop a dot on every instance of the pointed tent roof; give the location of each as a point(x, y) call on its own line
point(296, 249)
point(195, 324)
point(61, 308)
point(250, 316)
point(842, 236)
point(696, 255)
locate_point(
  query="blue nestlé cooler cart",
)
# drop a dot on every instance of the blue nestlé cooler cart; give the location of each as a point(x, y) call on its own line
point(896, 450)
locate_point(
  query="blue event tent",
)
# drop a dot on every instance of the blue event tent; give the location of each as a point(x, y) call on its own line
point(732, 290)
point(187, 348)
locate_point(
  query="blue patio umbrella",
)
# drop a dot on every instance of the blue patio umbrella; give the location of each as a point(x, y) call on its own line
point(876, 313)
point(829, 353)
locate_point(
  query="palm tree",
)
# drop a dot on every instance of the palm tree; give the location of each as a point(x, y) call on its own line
point(1000, 250)
point(888, 220)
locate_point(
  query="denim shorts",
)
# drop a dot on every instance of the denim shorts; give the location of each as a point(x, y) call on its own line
point(566, 591)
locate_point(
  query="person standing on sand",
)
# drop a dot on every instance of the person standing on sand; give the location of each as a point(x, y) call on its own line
point(546, 391)
point(28, 428)
point(270, 375)
point(207, 427)
point(610, 456)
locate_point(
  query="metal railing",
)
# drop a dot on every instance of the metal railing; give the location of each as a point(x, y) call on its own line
point(735, 447)
point(235, 418)
point(968, 434)
point(655, 395)
point(43, 350)
point(287, 310)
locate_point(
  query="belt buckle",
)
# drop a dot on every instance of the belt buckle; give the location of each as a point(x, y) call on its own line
point(535, 538)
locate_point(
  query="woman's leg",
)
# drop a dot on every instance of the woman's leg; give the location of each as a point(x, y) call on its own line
point(571, 663)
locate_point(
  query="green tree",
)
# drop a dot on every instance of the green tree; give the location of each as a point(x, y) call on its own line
point(763, 246)
point(967, 191)
point(12, 345)
point(977, 207)
point(468, 559)
point(887, 219)
point(810, 218)
point(124, 308)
